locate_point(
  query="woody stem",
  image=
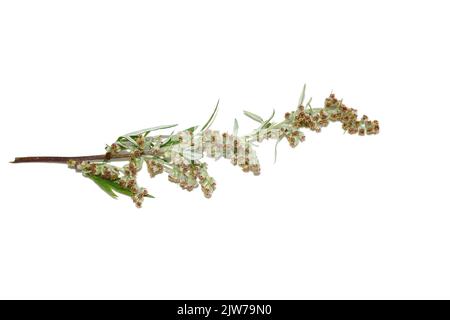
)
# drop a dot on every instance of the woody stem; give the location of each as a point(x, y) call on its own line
point(51, 159)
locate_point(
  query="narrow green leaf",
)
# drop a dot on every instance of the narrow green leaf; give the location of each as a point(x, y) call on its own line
point(302, 96)
point(121, 144)
point(276, 149)
point(191, 129)
point(172, 140)
point(167, 141)
point(211, 119)
point(267, 122)
point(145, 132)
point(108, 186)
point(253, 116)
point(105, 187)
point(235, 128)
point(308, 105)
point(130, 140)
point(118, 188)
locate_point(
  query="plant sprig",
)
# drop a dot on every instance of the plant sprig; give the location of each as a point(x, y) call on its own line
point(181, 154)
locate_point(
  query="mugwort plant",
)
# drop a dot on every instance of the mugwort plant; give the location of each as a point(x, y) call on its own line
point(181, 154)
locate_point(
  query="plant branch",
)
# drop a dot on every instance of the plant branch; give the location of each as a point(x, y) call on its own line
point(180, 154)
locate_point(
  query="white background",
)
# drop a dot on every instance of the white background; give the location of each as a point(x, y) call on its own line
point(339, 217)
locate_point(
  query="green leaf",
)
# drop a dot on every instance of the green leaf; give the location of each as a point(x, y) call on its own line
point(302, 96)
point(235, 128)
point(104, 186)
point(276, 148)
point(121, 144)
point(308, 105)
point(130, 140)
point(167, 141)
point(145, 132)
point(253, 116)
point(191, 129)
point(171, 140)
point(267, 122)
point(211, 119)
point(108, 186)
point(118, 188)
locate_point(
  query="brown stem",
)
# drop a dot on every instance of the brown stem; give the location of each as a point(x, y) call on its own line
point(100, 157)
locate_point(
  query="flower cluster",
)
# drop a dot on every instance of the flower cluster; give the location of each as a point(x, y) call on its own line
point(122, 179)
point(103, 170)
point(138, 196)
point(349, 118)
point(190, 176)
point(154, 168)
point(316, 119)
point(238, 150)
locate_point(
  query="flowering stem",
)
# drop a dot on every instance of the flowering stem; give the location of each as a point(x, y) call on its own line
point(180, 154)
